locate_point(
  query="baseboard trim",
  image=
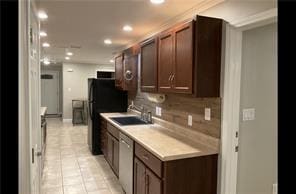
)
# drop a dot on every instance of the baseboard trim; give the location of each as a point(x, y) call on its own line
point(67, 120)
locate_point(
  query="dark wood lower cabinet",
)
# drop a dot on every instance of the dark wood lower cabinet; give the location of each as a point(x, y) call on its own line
point(109, 148)
point(153, 183)
point(116, 155)
point(103, 135)
point(139, 177)
point(113, 153)
point(145, 181)
point(196, 175)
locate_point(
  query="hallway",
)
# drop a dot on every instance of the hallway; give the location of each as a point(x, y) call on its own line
point(70, 168)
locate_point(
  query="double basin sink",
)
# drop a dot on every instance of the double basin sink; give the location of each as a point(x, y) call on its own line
point(129, 120)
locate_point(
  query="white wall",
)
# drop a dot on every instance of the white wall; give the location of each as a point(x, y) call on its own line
point(108, 68)
point(234, 10)
point(75, 84)
point(58, 68)
point(257, 161)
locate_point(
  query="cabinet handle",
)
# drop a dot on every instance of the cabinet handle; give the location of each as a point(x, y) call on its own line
point(122, 141)
point(170, 77)
point(173, 77)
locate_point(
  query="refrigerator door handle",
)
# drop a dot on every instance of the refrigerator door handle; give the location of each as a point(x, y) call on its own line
point(90, 101)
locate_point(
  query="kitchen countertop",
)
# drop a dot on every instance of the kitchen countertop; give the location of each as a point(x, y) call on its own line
point(43, 111)
point(161, 141)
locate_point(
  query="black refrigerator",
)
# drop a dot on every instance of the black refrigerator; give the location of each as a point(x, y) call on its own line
point(103, 97)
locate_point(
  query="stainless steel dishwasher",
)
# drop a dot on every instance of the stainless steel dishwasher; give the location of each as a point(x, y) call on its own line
point(126, 150)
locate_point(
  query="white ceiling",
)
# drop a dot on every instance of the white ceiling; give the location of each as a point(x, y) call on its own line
point(87, 23)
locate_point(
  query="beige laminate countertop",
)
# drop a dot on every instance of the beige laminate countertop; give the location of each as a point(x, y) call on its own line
point(43, 111)
point(162, 142)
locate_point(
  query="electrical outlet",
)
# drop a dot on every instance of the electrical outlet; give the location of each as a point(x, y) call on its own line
point(190, 120)
point(248, 114)
point(207, 114)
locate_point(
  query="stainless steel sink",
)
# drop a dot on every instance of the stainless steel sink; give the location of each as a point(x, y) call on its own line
point(130, 120)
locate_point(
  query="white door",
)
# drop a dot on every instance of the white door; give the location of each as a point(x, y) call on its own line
point(257, 151)
point(50, 91)
point(34, 102)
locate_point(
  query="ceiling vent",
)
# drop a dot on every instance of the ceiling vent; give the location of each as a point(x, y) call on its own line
point(71, 46)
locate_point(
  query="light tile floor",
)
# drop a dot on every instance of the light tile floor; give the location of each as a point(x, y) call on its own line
point(69, 166)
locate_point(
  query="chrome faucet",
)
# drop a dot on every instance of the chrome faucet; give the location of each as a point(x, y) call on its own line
point(147, 117)
point(141, 109)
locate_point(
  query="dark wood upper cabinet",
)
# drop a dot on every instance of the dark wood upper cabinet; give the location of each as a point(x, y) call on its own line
point(182, 79)
point(119, 81)
point(175, 64)
point(149, 65)
point(189, 58)
point(126, 69)
point(130, 72)
point(165, 61)
point(208, 43)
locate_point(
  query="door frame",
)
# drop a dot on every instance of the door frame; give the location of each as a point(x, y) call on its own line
point(58, 87)
point(34, 114)
point(25, 155)
point(230, 92)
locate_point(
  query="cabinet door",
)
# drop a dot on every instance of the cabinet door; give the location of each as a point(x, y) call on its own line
point(165, 61)
point(139, 177)
point(103, 137)
point(116, 155)
point(149, 65)
point(119, 72)
point(182, 80)
point(153, 183)
point(109, 149)
point(130, 72)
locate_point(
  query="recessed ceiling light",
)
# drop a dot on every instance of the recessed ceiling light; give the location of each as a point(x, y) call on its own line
point(42, 34)
point(107, 41)
point(156, 1)
point(45, 44)
point(67, 58)
point(42, 15)
point(111, 61)
point(127, 28)
point(46, 62)
point(69, 53)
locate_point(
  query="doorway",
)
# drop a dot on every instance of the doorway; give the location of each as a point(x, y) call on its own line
point(257, 155)
point(50, 94)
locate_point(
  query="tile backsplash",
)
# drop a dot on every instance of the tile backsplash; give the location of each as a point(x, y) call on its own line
point(176, 109)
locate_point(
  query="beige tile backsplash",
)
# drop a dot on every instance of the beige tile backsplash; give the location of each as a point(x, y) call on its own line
point(176, 109)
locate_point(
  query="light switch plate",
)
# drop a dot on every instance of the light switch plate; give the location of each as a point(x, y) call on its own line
point(190, 120)
point(158, 111)
point(69, 89)
point(274, 188)
point(207, 114)
point(248, 114)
